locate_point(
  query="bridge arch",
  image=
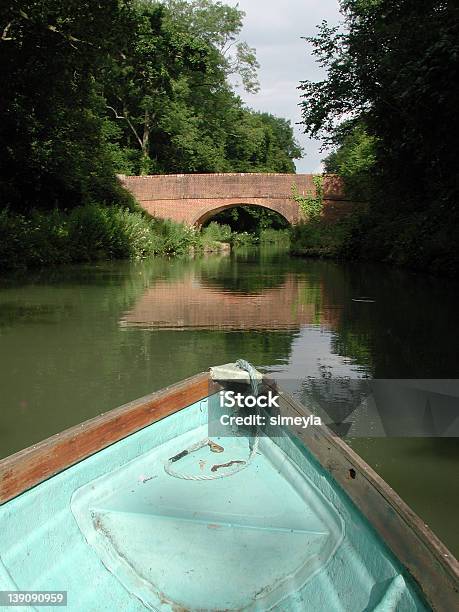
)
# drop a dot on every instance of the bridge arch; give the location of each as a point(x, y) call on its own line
point(206, 214)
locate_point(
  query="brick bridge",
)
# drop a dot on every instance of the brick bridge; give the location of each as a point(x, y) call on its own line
point(195, 198)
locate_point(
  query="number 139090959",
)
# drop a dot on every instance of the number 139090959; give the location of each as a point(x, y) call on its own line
point(33, 598)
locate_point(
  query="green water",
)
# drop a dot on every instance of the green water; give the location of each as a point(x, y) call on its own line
point(76, 342)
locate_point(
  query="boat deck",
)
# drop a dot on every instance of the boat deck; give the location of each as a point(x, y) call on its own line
point(119, 533)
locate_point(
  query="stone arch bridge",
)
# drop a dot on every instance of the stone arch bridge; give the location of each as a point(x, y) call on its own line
point(193, 199)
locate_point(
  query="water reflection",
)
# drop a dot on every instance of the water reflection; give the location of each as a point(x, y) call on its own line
point(272, 302)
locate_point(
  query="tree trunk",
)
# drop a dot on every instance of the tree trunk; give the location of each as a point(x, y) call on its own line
point(146, 142)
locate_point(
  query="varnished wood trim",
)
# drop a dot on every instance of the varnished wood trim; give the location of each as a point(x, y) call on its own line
point(432, 565)
point(35, 464)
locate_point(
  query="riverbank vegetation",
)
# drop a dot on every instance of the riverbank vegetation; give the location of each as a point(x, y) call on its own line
point(250, 226)
point(90, 233)
point(89, 90)
point(388, 108)
point(93, 232)
point(320, 238)
point(259, 235)
point(315, 235)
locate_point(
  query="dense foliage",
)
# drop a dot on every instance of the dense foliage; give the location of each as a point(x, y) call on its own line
point(320, 238)
point(92, 233)
point(258, 233)
point(89, 89)
point(51, 53)
point(354, 160)
point(389, 102)
point(183, 115)
point(251, 219)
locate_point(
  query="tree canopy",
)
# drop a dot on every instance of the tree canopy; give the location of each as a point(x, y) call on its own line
point(88, 90)
point(51, 127)
point(392, 68)
point(388, 105)
point(193, 121)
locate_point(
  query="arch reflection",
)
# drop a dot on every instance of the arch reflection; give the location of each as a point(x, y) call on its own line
point(195, 302)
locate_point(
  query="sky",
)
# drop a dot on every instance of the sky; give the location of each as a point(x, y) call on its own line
point(274, 28)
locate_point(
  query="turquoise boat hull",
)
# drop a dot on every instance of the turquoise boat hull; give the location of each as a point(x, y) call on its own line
point(117, 531)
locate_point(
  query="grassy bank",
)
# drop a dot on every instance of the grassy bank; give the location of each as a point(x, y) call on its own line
point(96, 232)
point(90, 233)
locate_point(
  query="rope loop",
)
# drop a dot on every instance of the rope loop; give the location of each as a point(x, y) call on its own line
point(255, 387)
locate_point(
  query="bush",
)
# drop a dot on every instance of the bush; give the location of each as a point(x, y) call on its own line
point(281, 237)
point(244, 239)
point(131, 234)
point(12, 232)
point(88, 233)
point(174, 238)
point(97, 232)
point(39, 239)
point(321, 238)
point(216, 232)
point(418, 240)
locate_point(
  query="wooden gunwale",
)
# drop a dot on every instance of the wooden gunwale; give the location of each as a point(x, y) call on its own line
point(33, 465)
point(433, 567)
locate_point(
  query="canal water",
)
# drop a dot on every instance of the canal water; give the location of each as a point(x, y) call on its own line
point(78, 341)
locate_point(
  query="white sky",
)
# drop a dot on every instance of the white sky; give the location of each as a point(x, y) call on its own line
point(275, 29)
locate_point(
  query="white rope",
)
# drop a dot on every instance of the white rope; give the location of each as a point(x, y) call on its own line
point(242, 465)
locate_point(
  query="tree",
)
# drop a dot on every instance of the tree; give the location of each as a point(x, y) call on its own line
point(171, 88)
point(219, 25)
point(172, 107)
point(141, 81)
point(393, 66)
point(50, 130)
point(353, 159)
